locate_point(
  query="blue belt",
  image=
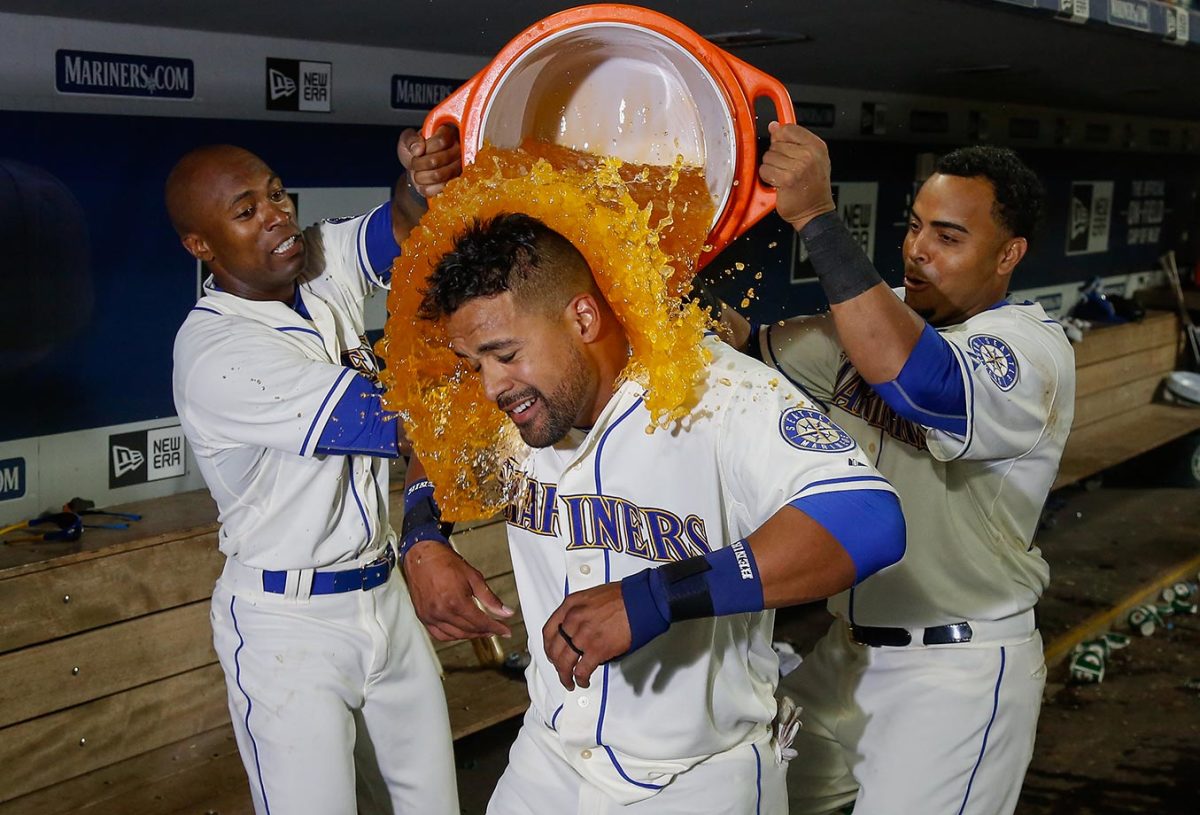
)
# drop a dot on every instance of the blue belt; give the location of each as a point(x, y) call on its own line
point(363, 578)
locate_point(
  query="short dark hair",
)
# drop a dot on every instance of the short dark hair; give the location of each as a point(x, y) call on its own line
point(509, 252)
point(1020, 197)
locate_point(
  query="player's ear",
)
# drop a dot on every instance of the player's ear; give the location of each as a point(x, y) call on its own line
point(585, 316)
point(197, 247)
point(1010, 255)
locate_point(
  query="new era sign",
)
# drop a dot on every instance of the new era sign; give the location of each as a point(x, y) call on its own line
point(145, 455)
point(298, 85)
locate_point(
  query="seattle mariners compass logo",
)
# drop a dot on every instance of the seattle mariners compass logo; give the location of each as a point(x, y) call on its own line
point(998, 360)
point(807, 429)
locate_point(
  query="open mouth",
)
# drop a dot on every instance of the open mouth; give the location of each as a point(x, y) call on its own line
point(287, 246)
point(915, 283)
point(520, 412)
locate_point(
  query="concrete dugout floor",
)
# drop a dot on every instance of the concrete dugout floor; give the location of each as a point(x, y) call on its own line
point(1128, 745)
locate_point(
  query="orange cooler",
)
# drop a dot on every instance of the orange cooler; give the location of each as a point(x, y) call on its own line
point(625, 81)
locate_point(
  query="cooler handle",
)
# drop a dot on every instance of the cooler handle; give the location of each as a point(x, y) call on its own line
point(756, 84)
point(450, 111)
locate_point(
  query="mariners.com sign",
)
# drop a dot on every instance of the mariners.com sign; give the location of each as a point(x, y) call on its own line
point(93, 72)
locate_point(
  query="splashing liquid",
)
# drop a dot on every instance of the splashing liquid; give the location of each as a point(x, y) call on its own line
point(640, 228)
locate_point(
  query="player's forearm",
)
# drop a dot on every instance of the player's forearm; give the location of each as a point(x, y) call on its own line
point(798, 560)
point(876, 330)
point(422, 517)
point(415, 471)
point(407, 208)
point(809, 550)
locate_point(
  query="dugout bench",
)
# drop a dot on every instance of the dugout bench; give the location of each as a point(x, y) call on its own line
point(1119, 376)
point(111, 698)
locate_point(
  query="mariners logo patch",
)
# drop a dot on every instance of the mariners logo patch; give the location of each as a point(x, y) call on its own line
point(807, 429)
point(998, 360)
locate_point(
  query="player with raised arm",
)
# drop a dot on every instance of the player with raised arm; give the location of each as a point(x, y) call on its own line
point(924, 695)
point(333, 689)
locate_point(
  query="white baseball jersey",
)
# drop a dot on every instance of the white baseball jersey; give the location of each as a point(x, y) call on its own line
point(255, 384)
point(605, 504)
point(971, 502)
point(335, 699)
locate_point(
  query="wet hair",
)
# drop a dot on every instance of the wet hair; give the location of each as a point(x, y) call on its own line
point(1020, 197)
point(510, 252)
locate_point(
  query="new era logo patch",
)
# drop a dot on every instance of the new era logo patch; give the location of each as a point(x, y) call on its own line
point(146, 455)
point(299, 85)
point(279, 84)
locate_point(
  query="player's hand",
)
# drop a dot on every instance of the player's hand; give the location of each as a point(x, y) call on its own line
point(444, 588)
point(596, 624)
point(431, 162)
point(797, 166)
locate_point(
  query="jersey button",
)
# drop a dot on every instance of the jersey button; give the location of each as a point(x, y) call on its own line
point(586, 754)
point(583, 701)
point(585, 569)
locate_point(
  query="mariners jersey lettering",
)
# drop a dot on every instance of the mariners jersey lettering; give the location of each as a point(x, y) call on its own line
point(603, 522)
point(255, 384)
point(602, 505)
point(970, 500)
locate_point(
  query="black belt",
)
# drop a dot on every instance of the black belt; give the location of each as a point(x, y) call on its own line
point(878, 636)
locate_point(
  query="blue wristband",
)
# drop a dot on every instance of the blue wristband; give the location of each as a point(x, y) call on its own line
point(422, 518)
point(722, 582)
point(646, 619)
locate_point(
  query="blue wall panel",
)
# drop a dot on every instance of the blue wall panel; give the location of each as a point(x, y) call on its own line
point(116, 368)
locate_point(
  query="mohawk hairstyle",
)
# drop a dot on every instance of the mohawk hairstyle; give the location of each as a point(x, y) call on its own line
point(1020, 197)
point(509, 252)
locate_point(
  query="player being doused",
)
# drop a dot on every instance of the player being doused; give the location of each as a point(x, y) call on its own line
point(646, 563)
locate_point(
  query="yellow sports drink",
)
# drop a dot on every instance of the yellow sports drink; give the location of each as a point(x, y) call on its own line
point(640, 228)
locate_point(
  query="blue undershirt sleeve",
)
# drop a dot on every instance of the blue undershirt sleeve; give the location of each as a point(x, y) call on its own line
point(379, 244)
point(867, 523)
point(929, 389)
point(359, 424)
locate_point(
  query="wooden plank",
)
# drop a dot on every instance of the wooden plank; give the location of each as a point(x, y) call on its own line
point(1116, 372)
point(173, 517)
point(1108, 442)
point(1113, 401)
point(69, 671)
point(1108, 342)
point(485, 547)
point(106, 788)
point(53, 748)
point(481, 697)
point(204, 773)
point(105, 590)
point(1163, 297)
point(218, 786)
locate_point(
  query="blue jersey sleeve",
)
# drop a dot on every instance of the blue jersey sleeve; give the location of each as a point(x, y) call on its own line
point(377, 246)
point(929, 389)
point(358, 424)
point(872, 546)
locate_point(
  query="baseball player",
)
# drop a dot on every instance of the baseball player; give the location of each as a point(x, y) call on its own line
point(924, 694)
point(333, 689)
point(645, 563)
